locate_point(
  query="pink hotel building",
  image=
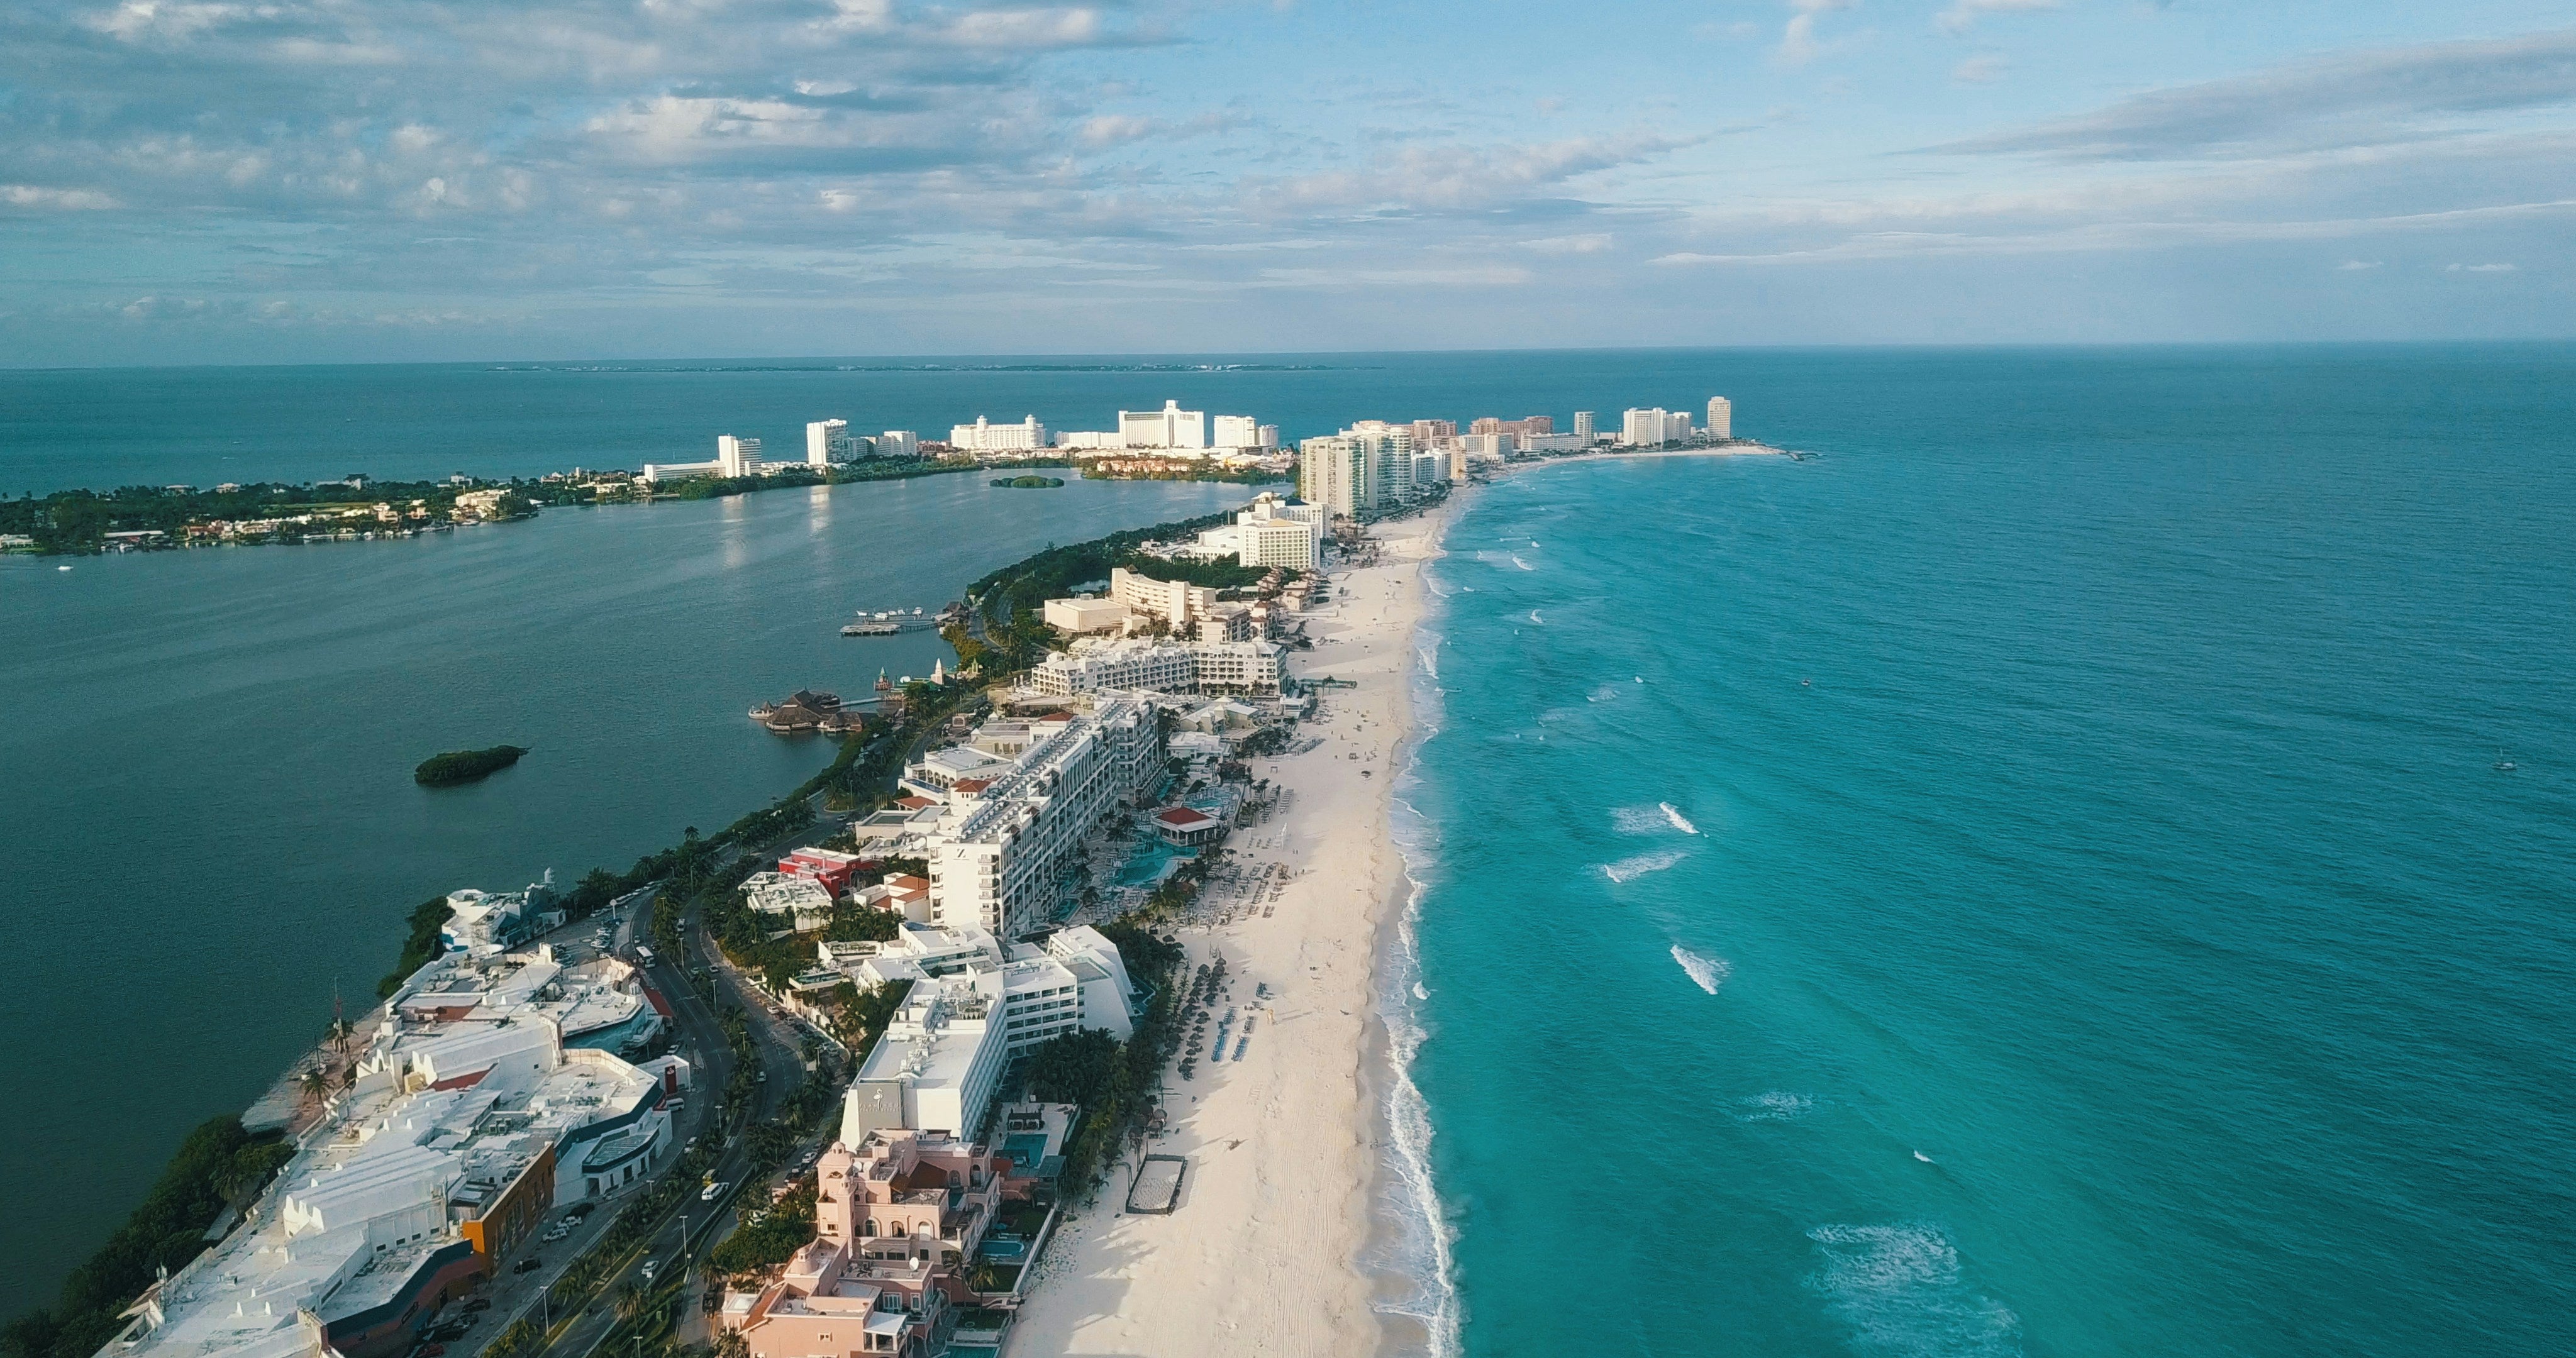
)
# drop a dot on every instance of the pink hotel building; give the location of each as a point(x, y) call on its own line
point(895, 1224)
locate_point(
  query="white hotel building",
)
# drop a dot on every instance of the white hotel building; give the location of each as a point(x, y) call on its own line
point(984, 436)
point(998, 858)
point(1140, 663)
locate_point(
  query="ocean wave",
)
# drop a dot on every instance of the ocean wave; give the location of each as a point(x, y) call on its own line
point(1628, 869)
point(1898, 1289)
point(1637, 820)
point(1534, 617)
point(1516, 560)
point(1419, 1250)
point(1679, 821)
point(1606, 693)
point(1709, 972)
point(1773, 1105)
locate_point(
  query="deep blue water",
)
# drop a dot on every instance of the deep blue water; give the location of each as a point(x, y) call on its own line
point(2120, 936)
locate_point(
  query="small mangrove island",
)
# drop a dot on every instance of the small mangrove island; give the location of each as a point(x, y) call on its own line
point(1028, 482)
point(465, 766)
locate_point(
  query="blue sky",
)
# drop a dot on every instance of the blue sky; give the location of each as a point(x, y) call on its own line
point(191, 181)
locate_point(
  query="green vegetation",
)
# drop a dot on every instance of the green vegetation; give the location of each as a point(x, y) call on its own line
point(1028, 482)
point(767, 1237)
point(1113, 1081)
point(465, 766)
point(217, 1164)
point(1013, 598)
point(79, 520)
point(420, 945)
point(1245, 476)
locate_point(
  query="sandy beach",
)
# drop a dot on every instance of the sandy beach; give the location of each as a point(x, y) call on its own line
point(1261, 1255)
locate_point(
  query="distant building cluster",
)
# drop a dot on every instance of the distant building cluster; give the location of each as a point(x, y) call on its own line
point(827, 443)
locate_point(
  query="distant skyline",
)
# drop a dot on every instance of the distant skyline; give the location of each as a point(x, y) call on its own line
point(214, 181)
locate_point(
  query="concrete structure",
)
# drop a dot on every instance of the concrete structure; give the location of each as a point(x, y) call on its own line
point(738, 456)
point(1074, 979)
point(898, 443)
point(1267, 437)
point(1177, 602)
point(1265, 535)
point(1169, 427)
point(984, 436)
point(1237, 431)
point(898, 1218)
point(1721, 418)
point(483, 923)
point(1554, 443)
point(1654, 428)
point(829, 441)
point(998, 859)
point(1085, 615)
point(1332, 471)
point(467, 1122)
point(1141, 664)
point(829, 868)
point(1583, 426)
point(796, 902)
point(934, 1068)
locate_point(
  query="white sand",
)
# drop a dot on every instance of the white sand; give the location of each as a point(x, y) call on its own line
point(1261, 1256)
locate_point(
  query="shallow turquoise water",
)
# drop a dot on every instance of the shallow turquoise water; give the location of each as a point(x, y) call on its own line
point(2105, 930)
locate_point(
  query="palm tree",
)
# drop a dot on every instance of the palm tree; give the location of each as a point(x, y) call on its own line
point(315, 1085)
point(630, 1299)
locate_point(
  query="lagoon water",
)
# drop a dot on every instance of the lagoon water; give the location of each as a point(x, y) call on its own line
point(208, 820)
point(2049, 893)
point(2033, 879)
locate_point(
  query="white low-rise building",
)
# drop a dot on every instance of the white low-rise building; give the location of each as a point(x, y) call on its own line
point(1085, 615)
point(799, 903)
point(984, 436)
point(1141, 664)
point(434, 1168)
point(934, 1068)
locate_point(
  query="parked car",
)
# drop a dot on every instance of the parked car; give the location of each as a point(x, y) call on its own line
point(429, 1351)
point(528, 1265)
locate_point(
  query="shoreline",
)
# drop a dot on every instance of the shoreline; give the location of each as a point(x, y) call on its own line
point(1269, 1249)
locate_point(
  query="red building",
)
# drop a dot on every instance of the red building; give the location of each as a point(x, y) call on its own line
point(830, 868)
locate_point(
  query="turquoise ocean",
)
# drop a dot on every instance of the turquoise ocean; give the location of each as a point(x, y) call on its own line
point(2088, 918)
point(2032, 878)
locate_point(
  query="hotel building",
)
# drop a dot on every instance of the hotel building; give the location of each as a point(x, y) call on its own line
point(998, 858)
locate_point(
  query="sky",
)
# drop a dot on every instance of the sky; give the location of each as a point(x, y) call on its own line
point(226, 181)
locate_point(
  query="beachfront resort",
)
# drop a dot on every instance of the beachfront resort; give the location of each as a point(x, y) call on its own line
point(1165, 836)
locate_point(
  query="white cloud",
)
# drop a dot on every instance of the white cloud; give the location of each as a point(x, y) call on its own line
point(2480, 268)
point(1798, 42)
point(1985, 68)
point(1590, 243)
point(1962, 15)
point(2357, 265)
point(68, 200)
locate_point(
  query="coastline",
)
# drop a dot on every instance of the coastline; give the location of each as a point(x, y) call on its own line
point(1286, 1142)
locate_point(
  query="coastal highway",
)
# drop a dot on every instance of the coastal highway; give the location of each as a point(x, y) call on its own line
point(701, 1039)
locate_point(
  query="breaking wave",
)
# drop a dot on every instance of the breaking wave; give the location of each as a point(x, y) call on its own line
point(1679, 821)
point(1516, 560)
point(1898, 1289)
point(1628, 869)
point(1773, 1105)
point(1710, 972)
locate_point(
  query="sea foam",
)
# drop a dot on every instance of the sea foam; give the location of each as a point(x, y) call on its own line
point(1631, 868)
point(1709, 972)
point(1898, 1289)
point(1679, 821)
point(1773, 1105)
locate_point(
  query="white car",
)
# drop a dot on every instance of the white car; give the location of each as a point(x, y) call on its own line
point(708, 1194)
